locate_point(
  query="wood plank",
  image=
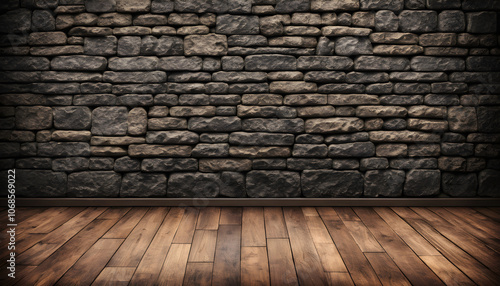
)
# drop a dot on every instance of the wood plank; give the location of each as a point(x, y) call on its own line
point(54, 267)
point(281, 266)
point(227, 256)
point(114, 213)
point(254, 266)
point(478, 220)
point(360, 269)
point(466, 263)
point(309, 211)
point(327, 252)
point(307, 261)
point(445, 270)
point(230, 215)
point(387, 271)
point(199, 274)
point(185, 232)
point(53, 240)
point(488, 237)
point(88, 267)
point(346, 214)
point(133, 248)
point(127, 223)
point(253, 232)
point(34, 221)
point(489, 212)
point(208, 218)
point(413, 268)
point(363, 237)
point(275, 223)
point(114, 276)
point(339, 279)
point(463, 239)
point(410, 236)
point(21, 272)
point(172, 272)
point(149, 268)
point(203, 247)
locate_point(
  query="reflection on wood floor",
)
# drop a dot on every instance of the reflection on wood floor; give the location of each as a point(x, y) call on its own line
point(255, 246)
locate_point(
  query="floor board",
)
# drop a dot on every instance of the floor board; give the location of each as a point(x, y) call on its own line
point(256, 246)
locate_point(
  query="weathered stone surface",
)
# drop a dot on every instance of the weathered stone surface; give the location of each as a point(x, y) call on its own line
point(336, 31)
point(100, 46)
point(73, 118)
point(348, 46)
point(403, 136)
point(232, 24)
point(109, 121)
point(488, 183)
point(488, 119)
point(310, 150)
point(143, 185)
point(334, 125)
point(394, 38)
point(287, 6)
point(193, 185)
point(15, 21)
point(384, 183)
point(459, 185)
point(217, 165)
point(273, 125)
point(356, 149)
point(246, 40)
point(386, 21)
point(395, 5)
point(24, 63)
point(374, 63)
point(482, 22)
point(42, 20)
point(426, 63)
point(334, 5)
point(40, 183)
point(33, 117)
point(273, 184)
point(203, 150)
point(70, 164)
point(462, 119)
point(259, 151)
point(326, 183)
point(79, 63)
point(214, 124)
point(232, 185)
point(100, 5)
point(205, 45)
point(381, 111)
point(270, 62)
point(421, 183)
point(261, 139)
point(179, 63)
point(172, 137)
point(94, 184)
point(149, 150)
point(169, 165)
point(418, 21)
point(451, 21)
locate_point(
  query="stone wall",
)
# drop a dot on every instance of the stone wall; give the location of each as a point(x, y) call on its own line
point(250, 98)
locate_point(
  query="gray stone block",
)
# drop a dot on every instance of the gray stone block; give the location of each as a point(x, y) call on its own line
point(94, 184)
point(193, 185)
point(40, 183)
point(143, 185)
point(384, 183)
point(422, 183)
point(273, 184)
point(329, 183)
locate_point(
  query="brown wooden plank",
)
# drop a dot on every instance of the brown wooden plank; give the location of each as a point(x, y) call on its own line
point(363, 237)
point(414, 269)
point(227, 256)
point(253, 232)
point(208, 218)
point(185, 232)
point(199, 274)
point(466, 263)
point(53, 240)
point(88, 267)
point(490, 237)
point(54, 267)
point(410, 236)
point(339, 279)
point(172, 272)
point(463, 239)
point(478, 220)
point(307, 261)
point(361, 271)
point(387, 271)
point(133, 248)
point(203, 247)
point(281, 266)
point(309, 211)
point(114, 276)
point(445, 270)
point(275, 223)
point(346, 214)
point(151, 263)
point(114, 213)
point(328, 253)
point(127, 223)
point(489, 212)
point(21, 272)
point(34, 221)
point(230, 215)
point(254, 266)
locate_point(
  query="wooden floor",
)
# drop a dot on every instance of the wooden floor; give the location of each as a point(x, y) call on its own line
point(255, 246)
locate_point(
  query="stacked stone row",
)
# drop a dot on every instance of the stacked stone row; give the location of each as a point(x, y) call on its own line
point(262, 98)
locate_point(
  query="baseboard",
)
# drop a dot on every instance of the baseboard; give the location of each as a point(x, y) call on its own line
point(240, 202)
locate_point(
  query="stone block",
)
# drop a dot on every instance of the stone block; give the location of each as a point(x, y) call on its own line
point(205, 45)
point(273, 184)
point(273, 125)
point(329, 183)
point(143, 185)
point(193, 185)
point(109, 121)
point(418, 21)
point(482, 22)
point(172, 137)
point(488, 183)
point(94, 184)
point(237, 25)
point(384, 183)
point(270, 63)
point(334, 125)
point(356, 149)
point(99, 6)
point(422, 183)
point(459, 184)
point(40, 183)
point(33, 117)
point(100, 46)
point(72, 117)
point(451, 21)
point(169, 164)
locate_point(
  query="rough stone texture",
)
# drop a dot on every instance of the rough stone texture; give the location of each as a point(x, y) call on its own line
point(384, 183)
point(143, 185)
point(274, 184)
point(422, 183)
point(94, 184)
point(383, 95)
point(329, 183)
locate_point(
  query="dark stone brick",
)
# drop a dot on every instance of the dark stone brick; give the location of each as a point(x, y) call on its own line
point(273, 184)
point(422, 183)
point(326, 183)
point(384, 183)
point(193, 185)
point(94, 184)
point(143, 185)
